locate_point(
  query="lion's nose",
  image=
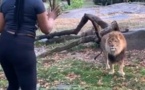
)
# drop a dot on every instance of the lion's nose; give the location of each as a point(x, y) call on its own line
point(112, 45)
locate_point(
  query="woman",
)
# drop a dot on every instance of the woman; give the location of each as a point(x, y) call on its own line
point(18, 19)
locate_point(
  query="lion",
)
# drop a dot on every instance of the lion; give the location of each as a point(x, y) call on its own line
point(113, 45)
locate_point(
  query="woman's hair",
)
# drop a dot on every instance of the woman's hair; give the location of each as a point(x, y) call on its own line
point(19, 13)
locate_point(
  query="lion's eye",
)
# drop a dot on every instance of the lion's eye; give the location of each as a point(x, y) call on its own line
point(109, 42)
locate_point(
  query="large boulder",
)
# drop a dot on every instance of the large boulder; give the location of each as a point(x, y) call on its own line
point(135, 40)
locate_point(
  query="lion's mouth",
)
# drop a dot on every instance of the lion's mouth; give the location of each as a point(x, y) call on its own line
point(112, 49)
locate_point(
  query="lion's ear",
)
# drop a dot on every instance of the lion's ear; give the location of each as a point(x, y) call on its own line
point(115, 26)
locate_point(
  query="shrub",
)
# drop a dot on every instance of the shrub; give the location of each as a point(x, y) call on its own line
point(75, 4)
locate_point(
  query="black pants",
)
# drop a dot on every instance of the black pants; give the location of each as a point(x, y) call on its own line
point(18, 61)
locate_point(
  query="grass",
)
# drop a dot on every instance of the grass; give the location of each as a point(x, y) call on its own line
point(89, 76)
point(75, 74)
point(88, 3)
point(3, 81)
point(80, 75)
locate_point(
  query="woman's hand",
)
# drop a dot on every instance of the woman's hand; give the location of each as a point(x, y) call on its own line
point(45, 23)
point(46, 20)
point(54, 13)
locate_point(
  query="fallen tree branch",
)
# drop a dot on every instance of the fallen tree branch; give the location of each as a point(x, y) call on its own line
point(51, 35)
point(86, 39)
point(135, 41)
point(96, 21)
point(62, 39)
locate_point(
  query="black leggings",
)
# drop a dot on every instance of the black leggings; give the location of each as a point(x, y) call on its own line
point(18, 61)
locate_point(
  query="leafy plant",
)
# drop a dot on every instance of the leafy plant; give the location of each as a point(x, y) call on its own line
point(74, 4)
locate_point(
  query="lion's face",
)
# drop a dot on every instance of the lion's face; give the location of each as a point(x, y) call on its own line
point(113, 43)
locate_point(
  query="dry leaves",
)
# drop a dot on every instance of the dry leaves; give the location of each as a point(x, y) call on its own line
point(72, 76)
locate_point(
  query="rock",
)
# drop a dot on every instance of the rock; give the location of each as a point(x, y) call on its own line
point(135, 40)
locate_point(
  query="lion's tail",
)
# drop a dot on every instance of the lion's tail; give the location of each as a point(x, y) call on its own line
point(98, 55)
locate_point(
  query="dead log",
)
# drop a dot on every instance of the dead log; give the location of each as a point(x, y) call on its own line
point(135, 41)
point(62, 39)
point(96, 21)
point(95, 31)
point(86, 39)
point(52, 35)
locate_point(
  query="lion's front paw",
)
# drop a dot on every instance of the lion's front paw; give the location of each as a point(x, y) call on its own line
point(121, 73)
point(107, 67)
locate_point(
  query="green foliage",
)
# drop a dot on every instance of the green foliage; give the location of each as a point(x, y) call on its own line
point(142, 71)
point(83, 46)
point(3, 83)
point(81, 75)
point(74, 4)
point(77, 3)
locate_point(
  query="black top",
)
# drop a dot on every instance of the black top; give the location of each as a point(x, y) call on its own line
point(31, 9)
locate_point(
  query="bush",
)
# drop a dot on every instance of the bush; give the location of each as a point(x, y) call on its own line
point(75, 4)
